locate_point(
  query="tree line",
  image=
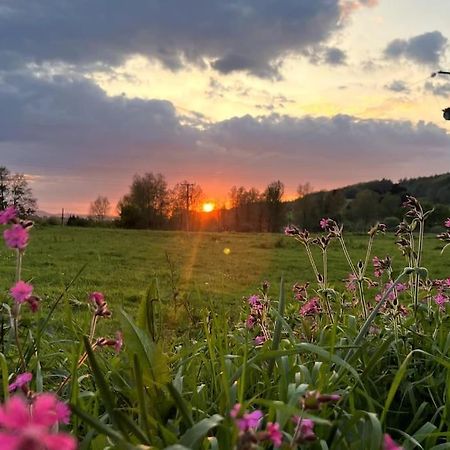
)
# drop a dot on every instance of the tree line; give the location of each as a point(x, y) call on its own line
point(151, 204)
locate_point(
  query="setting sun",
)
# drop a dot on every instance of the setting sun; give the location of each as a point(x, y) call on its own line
point(208, 207)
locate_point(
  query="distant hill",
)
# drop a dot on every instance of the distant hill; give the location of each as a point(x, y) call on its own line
point(360, 205)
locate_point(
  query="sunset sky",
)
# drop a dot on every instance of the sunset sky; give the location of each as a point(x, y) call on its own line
point(220, 92)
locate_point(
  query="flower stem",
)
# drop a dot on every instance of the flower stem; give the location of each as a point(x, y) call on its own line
point(418, 261)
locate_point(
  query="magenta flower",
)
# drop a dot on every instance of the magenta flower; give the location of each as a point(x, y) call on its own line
point(249, 420)
point(310, 308)
point(21, 380)
point(274, 433)
point(97, 297)
point(305, 429)
point(34, 302)
point(16, 237)
point(389, 443)
point(21, 291)
point(259, 340)
point(30, 426)
point(324, 223)
point(250, 322)
point(447, 223)
point(254, 301)
point(8, 215)
point(440, 300)
point(235, 410)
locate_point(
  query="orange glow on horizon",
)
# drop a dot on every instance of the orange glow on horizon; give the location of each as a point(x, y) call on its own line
point(208, 207)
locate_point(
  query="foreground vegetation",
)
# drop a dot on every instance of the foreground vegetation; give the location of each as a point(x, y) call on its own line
point(330, 364)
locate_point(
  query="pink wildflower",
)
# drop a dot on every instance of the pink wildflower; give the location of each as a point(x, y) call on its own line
point(21, 291)
point(255, 301)
point(21, 380)
point(378, 271)
point(447, 223)
point(235, 410)
point(274, 433)
point(119, 342)
point(305, 428)
point(324, 223)
point(389, 443)
point(7, 215)
point(249, 420)
point(310, 308)
point(33, 301)
point(16, 237)
point(259, 340)
point(440, 300)
point(250, 322)
point(25, 426)
point(97, 297)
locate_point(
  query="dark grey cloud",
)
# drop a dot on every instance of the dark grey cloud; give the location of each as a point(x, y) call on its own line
point(426, 49)
point(398, 86)
point(335, 56)
point(321, 54)
point(439, 89)
point(235, 35)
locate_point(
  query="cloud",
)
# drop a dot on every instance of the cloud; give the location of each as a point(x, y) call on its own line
point(398, 86)
point(321, 54)
point(441, 90)
point(426, 49)
point(239, 35)
point(335, 56)
point(68, 127)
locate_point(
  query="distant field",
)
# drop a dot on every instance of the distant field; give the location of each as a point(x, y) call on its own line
point(122, 263)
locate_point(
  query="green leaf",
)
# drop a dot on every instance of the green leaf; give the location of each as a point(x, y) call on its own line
point(278, 325)
point(5, 376)
point(102, 385)
point(181, 404)
point(192, 436)
point(101, 427)
point(154, 362)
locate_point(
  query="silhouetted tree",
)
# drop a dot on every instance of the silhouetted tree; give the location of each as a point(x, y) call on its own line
point(4, 187)
point(99, 208)
point(248, 208)
point(272, 195)
point(21, 196)
point(177, 197)
point(304, 189)
point(147, 203)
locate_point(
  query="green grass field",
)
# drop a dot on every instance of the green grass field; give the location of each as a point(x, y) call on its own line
point(123, 263)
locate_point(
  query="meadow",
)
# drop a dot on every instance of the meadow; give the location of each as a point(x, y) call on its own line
point(150, 340)
point(200, 269)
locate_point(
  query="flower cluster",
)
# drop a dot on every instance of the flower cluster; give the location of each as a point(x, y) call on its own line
point(311, 307)
point(257, 318)
point(248, 424)
point(301, 235)
point(381, 265)
point(300, 291)
point(442, 295)
point(31, 424)
point(17, 236)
